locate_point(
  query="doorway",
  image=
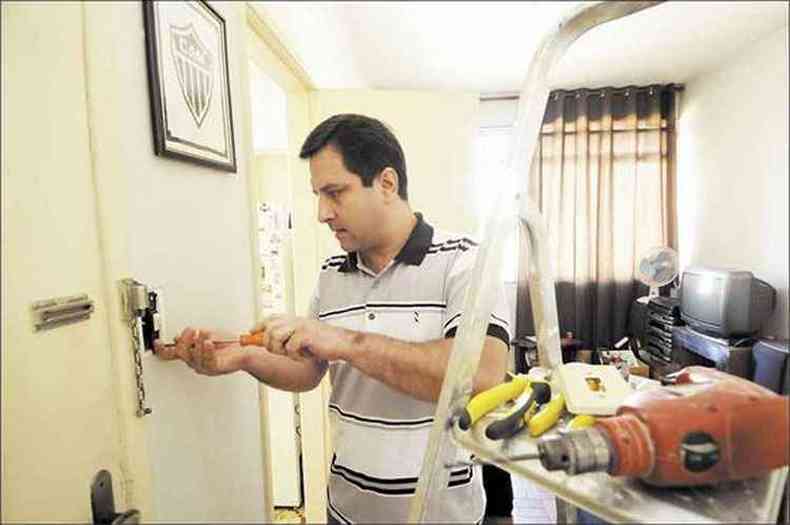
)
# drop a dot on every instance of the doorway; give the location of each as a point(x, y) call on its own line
point(270, 182)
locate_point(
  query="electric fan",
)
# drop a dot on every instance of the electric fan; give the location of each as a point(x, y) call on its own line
point(658, 267)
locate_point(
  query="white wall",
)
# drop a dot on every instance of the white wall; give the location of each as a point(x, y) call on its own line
point(733, 168)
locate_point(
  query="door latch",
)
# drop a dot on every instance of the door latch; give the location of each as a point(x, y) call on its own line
point(141, 308)
point(142, 303)
point(103, 503)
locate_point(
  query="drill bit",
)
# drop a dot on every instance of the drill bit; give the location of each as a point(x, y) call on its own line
point(477, 460)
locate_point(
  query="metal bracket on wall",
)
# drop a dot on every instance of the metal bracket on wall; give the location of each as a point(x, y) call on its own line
point(140, 305)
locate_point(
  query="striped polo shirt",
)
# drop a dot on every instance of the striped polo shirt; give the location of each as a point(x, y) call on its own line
point(380, 434)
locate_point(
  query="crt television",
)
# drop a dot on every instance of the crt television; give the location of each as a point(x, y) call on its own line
point(724, 303)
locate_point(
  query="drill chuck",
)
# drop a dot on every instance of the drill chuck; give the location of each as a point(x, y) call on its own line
point(576, 452)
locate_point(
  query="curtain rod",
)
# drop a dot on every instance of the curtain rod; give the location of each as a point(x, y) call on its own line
point(623, 89)
point(498, 97)
point(617, 90)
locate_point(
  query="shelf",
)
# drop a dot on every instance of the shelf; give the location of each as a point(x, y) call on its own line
point(628, 500)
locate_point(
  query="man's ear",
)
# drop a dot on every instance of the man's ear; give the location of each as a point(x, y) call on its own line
point(389, 182)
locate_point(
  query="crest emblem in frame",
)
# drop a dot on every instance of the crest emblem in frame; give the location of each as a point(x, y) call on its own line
point(194, 66)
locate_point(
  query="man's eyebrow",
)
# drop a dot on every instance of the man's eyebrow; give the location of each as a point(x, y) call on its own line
point(330, 187)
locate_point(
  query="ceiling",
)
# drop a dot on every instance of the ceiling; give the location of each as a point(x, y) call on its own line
point(486, 46)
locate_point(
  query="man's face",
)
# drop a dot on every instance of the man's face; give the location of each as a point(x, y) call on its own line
point(351, 210)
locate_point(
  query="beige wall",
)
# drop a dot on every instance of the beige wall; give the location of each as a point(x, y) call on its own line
point(271, 175)
point(733, 168)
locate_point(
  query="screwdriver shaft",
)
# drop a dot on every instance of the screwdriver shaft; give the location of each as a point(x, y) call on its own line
point(220, 341)
point(244, 340)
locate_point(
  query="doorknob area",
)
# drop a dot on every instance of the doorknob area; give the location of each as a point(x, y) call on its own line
point(103, 503)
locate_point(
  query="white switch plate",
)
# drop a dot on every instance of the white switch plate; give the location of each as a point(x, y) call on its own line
point(592, 389)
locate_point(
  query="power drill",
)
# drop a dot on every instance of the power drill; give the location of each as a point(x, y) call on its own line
point(707, 427)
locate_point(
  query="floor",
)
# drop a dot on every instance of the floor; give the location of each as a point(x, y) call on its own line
point(532, 504)
point(288, 515)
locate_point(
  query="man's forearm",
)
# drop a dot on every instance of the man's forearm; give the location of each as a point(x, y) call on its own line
point(284, 373)
point(418, 369)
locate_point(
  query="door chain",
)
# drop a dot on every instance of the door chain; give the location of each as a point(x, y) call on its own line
point(137, 341)
point(141, 307)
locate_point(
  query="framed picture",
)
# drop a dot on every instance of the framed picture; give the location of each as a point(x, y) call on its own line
point(187, 53)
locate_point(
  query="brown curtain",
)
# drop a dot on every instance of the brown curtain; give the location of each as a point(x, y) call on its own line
point(604, 179)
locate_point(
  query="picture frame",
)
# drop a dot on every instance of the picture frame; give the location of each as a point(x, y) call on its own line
point(189, 83)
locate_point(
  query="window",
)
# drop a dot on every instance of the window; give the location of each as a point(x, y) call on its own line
point(492, 147)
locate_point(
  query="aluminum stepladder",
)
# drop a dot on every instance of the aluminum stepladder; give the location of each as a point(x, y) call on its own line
point(480, 296)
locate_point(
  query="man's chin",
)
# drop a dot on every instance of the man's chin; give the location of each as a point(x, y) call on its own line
point(347, 245)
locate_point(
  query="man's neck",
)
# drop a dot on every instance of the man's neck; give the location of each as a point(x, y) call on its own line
point(394, 239)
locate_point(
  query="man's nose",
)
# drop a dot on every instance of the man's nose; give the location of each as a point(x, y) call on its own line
point(325, 211)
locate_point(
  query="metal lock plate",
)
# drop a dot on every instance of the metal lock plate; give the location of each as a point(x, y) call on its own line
point(141, 302)
point(151, 321)
point(60, 311)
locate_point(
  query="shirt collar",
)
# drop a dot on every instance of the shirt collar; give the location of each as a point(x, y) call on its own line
point(413, 252)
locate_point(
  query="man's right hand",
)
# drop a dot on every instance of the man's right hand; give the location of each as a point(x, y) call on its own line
point(198, 350)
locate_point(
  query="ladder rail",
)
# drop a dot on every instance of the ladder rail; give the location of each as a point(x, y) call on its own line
point(480, 296)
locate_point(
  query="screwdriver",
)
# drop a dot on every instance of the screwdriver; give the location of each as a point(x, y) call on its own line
point(254, 339)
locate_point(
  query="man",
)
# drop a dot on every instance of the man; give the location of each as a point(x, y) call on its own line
point(382, 320)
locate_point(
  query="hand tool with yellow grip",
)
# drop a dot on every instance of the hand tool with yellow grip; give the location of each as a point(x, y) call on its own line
point(515, 420)
point(581, 421)
point(547, 417)
point(486, 401)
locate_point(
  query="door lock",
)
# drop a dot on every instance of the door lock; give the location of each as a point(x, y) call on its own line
point(141, 306)
point(142, 303)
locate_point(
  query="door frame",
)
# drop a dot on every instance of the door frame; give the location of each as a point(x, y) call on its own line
point(273, 56)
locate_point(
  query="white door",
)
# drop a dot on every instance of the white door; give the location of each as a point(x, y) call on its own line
point(59, 411)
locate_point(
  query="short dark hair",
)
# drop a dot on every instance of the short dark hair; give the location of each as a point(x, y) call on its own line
point(367, 146)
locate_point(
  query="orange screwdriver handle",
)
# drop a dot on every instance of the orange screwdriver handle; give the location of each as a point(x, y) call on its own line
point(254, 339)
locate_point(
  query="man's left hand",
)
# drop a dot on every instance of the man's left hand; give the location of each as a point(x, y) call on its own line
point(300, 338)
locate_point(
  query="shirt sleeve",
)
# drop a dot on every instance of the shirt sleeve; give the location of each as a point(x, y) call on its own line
point(458, 280)
point(313, 308)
